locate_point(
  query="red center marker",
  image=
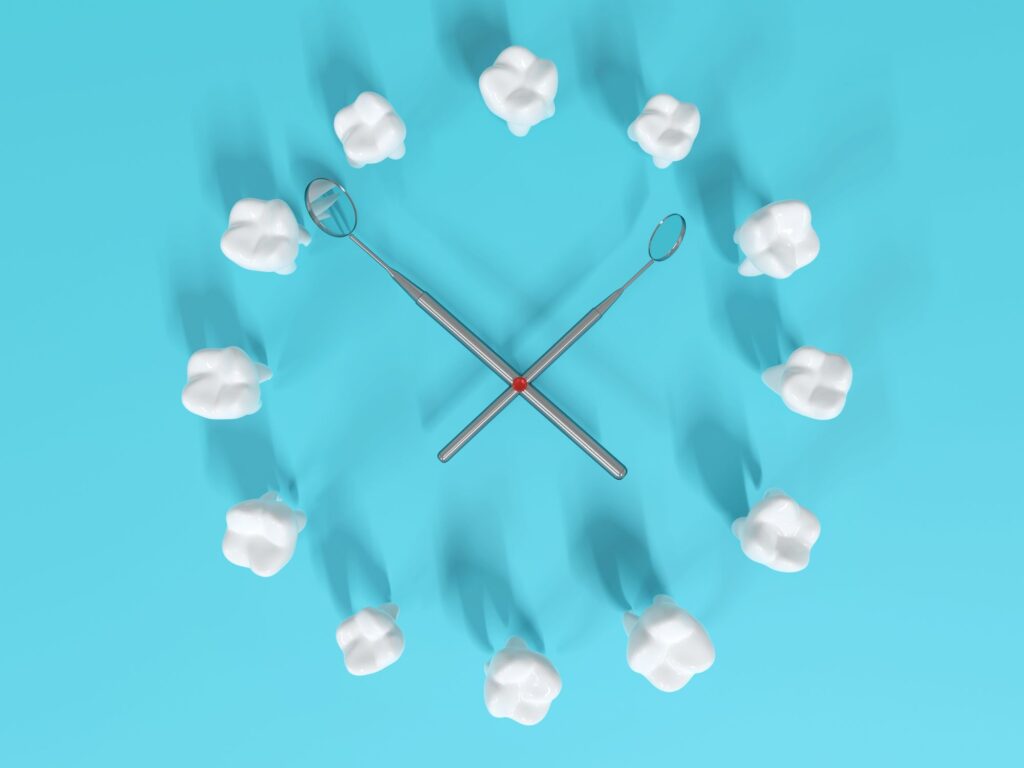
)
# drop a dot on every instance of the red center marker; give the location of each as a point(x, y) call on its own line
point(519, 384)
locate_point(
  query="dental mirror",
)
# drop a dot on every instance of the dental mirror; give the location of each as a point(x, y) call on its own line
point(331, 207)
point(666, 237)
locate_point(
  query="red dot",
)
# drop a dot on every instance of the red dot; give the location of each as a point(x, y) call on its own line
point(519, 384)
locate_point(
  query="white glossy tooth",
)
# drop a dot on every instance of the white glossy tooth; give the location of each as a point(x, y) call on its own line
point(778, 533)
point(666, 129)
point(263, 235)
point(262, 533)
point(520, 88)
point(370, 130)
point(371, 640)
point(812, 383)
point(777, 240)
point(223, 383)
point(520, 684)
point(667, 645)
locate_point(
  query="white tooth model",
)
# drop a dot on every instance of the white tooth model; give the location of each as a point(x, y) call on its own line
point(777, 240)
point(371, 640)
point(667, 645)
point(223, 383)
point(263, 236)
point(812, 383)
point(370, 130)
point(262, 533)
point(666, 129)
point(778, 533)
point(520, 88)
point(520, 684)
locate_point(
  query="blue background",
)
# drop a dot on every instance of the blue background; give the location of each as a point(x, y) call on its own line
point(128, 131)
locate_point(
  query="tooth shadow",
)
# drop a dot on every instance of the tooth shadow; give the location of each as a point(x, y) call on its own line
point(472, 34)
point(475, 578)
point(241, 454)
point(724, 462)
point(351, 563)
point(238, 156)
point(207, 316)
point(609, 62)
point(338, 60)
point(758, 330)
point(721, 185)
point(612, 552)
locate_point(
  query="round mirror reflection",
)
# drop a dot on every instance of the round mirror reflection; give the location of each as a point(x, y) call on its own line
point(330, 207)
point(666, 237)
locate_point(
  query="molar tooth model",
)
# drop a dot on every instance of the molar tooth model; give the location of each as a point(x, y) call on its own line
point(812, 383)
point(777, 240)
point(666, 129)
point(223, 384)
point(371, 639)
point(263, 236)
point(520, 89)
point(667, 645)
point(778, 533)
point(262, 533)
point(370, 131)
point(520, 684)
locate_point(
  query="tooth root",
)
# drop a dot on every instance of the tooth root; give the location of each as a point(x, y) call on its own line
point(629, 620)
point(515, 643)
point(269, 496)
point(390, 609)
point(263, 373)
point(749, 269)
point(773, 378)
point(737, 526)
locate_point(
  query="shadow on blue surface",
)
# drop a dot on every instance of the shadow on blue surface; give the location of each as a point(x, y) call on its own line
point(472, 34)
point(724, 461)
point(609, 61)
point(723, 186)
point(474, 578)
point(236, 151)
point(611, 552)
point(759, 333)
point(241, 454)
point(339, 61)
point(352, 566)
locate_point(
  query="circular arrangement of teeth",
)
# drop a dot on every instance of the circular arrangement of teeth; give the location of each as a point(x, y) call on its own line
point(665, 644)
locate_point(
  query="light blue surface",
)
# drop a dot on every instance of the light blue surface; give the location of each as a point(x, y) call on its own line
point(127, 638)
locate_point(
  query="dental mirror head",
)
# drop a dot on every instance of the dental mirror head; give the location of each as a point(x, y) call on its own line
point(331, 207)
point(666, 237)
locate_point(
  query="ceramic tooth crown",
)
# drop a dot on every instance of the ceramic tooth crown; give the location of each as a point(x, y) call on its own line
point(812, 383)
point(223, 383)
point(371, 639)
point(666, 129)
point(520, 684)
point(667, 645)
point(778, 533)
point(370, 130)
point(777, 240)
point(262, 533)
point(263, 235)
point(520, 88)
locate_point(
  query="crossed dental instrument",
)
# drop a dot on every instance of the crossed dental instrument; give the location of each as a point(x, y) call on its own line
point(333, 211)
point(665, 239)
